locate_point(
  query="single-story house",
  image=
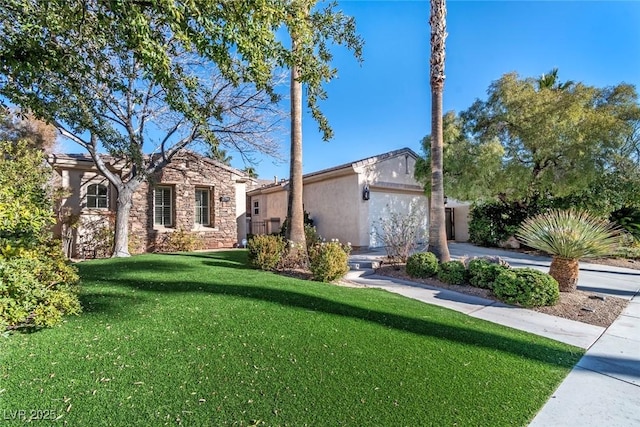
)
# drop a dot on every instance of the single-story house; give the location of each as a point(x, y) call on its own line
point(194, 194)
point(348, 202)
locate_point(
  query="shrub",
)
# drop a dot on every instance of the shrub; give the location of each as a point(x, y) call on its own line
point(483, 273)
point(628, 218)
point(526, 287)
point(329, 261)
point(37, 289)
point(570, 234)
point(265, 251)
point(422, 265)
point(494, 222)
point(181, 241)
point(307, 220)
point(37, 284)
point(452, 272)
point(311, 235)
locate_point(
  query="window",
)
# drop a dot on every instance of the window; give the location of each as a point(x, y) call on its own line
point(97, 196)
point(256, 208)
point(203, 216)
point(163, 206)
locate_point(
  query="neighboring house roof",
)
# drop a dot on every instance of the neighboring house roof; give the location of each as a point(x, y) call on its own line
point(351, 167)
point(77, 159)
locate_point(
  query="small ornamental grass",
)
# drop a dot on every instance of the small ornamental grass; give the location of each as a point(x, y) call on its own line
point(526, 287)
point(568, 236)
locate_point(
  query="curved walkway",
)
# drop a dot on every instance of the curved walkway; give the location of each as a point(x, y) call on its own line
point(603, 389)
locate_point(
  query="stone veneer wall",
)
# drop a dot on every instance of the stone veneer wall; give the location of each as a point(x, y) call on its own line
point(184, 174)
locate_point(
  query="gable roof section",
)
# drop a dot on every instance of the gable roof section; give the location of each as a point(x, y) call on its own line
point(339, 170)
point(364, 162)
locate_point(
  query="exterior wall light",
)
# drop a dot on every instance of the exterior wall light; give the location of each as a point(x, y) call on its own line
point(366, 193)
point(446, 199)
point(225, 199)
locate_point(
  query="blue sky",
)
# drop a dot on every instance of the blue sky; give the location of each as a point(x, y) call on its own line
point(384, 103)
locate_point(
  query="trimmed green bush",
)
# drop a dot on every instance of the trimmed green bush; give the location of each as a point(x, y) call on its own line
point(422, 265)
point(328, 261)
point(265, 251)
point(452, 272)
point(526, 287)
point(483, 273)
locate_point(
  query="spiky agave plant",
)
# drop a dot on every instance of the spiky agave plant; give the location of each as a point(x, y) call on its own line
point(569, 235)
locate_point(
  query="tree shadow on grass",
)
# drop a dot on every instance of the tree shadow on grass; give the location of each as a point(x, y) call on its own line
point(473, 337)
point(521, 347)
point(107, 303)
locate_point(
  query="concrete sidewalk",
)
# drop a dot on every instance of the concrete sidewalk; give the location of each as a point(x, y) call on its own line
point(603, 389)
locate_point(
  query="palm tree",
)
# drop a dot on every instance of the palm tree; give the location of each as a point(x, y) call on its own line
point(437, 225)
point(295, 212)
point(568, 236)
point(551, 81)
point(250, 171)
point(217, 153)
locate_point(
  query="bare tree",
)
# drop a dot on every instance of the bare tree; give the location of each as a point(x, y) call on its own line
point(137, 116)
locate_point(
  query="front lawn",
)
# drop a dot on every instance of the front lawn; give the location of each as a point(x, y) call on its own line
point(201, 340)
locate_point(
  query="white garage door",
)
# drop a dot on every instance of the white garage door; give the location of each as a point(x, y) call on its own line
point(394, 208)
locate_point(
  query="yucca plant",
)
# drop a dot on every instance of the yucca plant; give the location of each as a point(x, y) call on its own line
point(569, 235)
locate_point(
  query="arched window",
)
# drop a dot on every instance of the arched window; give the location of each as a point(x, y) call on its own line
point(97, 196)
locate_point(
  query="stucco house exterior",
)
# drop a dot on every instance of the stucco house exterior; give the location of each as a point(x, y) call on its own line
point(192, 194)
point(347, 202)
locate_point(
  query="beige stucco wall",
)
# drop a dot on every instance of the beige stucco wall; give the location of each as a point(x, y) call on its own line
point(334, 199)
point(76, 181)
point(271, 204)
point(461, 222)
point(333, 204)
point(241, 211)
point(396, 170)
point(393, 190)
point(394, 206)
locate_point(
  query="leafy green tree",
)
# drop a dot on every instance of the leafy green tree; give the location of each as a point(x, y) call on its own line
point(37, 285)
point(26, 211)
point(539, 138)
point(110, 75)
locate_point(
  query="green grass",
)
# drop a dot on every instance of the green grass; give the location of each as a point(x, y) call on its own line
point(201, 340)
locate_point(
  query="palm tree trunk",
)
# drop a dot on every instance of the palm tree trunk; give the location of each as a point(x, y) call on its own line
point(437, 222)
point(295, 231)
point(565, 271)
